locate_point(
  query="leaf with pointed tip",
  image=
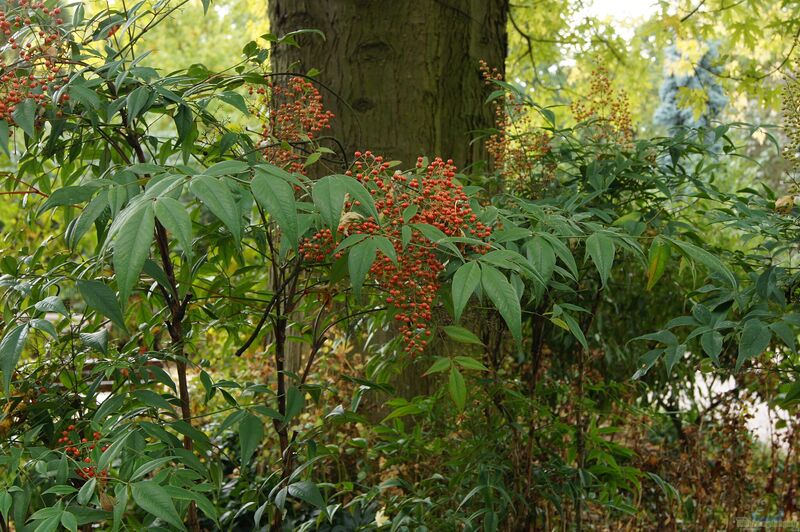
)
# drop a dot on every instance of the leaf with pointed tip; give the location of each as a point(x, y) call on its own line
point(755, 339)
point(132, 246)
point(102, 299)
point(154, 499)
point(25, 116)
point(358, 193)
point(230, 167)
point(462, 335)
point(175, 218)
point(465, 281)
point(672, 355)
point(441, 364)
point(705, 258)
point(457, 388)
point(10, 351)
point(276, 196)
point(601, 250)
point(712, 345)
point(307, 491)
point(51, 304)
point(658, 256)
point(470, 363)
point(216, 195)
point(328, 195)
point(359, 261)
point(84, 222)
point(504, 297)
point(251, 432)
point(97, 341)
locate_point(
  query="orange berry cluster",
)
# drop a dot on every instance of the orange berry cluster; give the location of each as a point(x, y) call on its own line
point(75, 447)
point(519, 152)
point(605, 112)
point(291, 115)
point(427, 196)
point(31, 67)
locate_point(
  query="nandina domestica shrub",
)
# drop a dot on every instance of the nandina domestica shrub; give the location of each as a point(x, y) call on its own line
point(408, 269)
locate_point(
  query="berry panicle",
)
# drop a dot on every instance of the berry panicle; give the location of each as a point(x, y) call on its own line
point(429, 195)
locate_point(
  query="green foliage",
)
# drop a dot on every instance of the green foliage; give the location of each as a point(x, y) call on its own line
point(251, 380)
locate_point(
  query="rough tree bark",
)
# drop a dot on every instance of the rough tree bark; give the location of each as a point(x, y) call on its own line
point(406, 72)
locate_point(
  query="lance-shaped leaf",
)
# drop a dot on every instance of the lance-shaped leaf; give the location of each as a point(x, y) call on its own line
point(465, 281)
point(175, 218)
point(755, 339)
point(10, 351)
point(600, 248)
point(658, 256)
point(328, 195)
point(154, 499)
point(276, 196)
point(132, 246)
point(359, 261)
point(102, 299)
point(216, 195)
point(251, 432)
point(504, 297)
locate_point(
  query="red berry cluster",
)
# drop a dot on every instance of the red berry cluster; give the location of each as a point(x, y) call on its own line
point(427, 196)
point(292, 115)
point(75, 447)
point(31, 69)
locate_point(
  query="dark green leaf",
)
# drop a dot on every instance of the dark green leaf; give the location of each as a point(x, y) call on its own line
point(712, 345)
point(132, 246)
point(504, 297)
point(102, 299)
point(25, 116)
point(295, 401)
point(307, 491)
point(236, 100)
point(137, 102)
point(230, 167)
point(71, 195)
point(441, 364)
point(276, 196)
point(462, 335)
point(10, 351)
point(69, 521)
point(86, 492)
point(153, 498)
point(601, 249)
point(251, 433)
point(470, 363)
point(465, 281)
point(175, 218)
point(672, 355)
point(706, 259)
point(755, 339)
point(457, 388)
point(359, 261)
point(51, 304)
point(328, 195)
point(97, 341)
point(218, 198)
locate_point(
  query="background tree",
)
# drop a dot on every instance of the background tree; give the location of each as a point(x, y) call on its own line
point(405, 74)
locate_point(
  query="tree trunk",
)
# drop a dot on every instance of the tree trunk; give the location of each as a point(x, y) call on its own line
point(404, 76)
